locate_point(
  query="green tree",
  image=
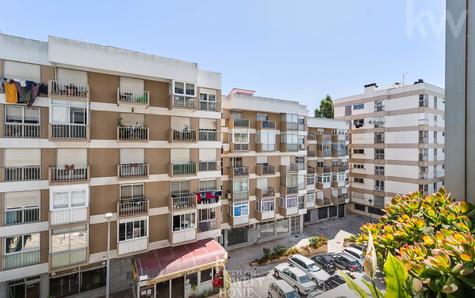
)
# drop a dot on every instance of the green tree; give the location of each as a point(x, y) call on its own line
point(326, 108)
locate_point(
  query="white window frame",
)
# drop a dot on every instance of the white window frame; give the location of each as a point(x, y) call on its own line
point(132, 220)
point(204, 185)
point(23, 108)
point(192, 226)
point(23, 250)
point(265, 205)
point(69, 189)
point(62, 103)
point(287, 202)
point(132, 186)
point(210, 214)
point(184, 89)
point(241, 205)
point(244, 136)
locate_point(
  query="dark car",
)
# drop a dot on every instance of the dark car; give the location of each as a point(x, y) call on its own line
point(347, 262)
point(326, 262)
point(334, 282)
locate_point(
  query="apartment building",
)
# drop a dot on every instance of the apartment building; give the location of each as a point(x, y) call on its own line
point(95, 133)
point(396, 142)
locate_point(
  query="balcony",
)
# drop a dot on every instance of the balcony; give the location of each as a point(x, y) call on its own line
point(21, 259)
point(182, 169)
point(311, 136)
point(339, 168)
point(238, 172)
point(20, 130)
point(69, 131)
point(68, 174)
point(261, 147)
point(339, 182)
point(263, 170)
point(21, 216)
point(324, 153)
point(311, 170)
point(289, 169)
point(311, 153)
point(265, 193)
point(289, 147)
point(285, 125)
point(339, 138)
point(206, 226)
point(68, 215)
point(240, 147)
point(323, 199)
point(67, 90)
point(310, 182)
point(288, 190)
point(324, 137)
point(265, 124)
point(183, 236)
point(135, 170)
point(323, 169)
point(287, 210)
point(208, 135)
point(340, 197)
point(24, 173)
point(239, 195)
point(131, 97)
point(238, 220)
point(310, 200)
point(239, 123)
point(69, 257)
point(136, 206)
point(423, 175)
point(339, 149)
point(132, 245)
point(183, 102)
point(423, 157)
point(183, 201)
point(208, 166)
point(423, 140)
point(182, 135)
point(206, 105)
point(263, 213)
point(323, 182)
point(132, 133)
point(208, 199)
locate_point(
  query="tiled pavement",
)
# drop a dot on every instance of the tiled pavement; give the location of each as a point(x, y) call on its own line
point(239, 259)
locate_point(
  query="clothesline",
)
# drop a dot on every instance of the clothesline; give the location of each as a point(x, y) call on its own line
point(22, 91)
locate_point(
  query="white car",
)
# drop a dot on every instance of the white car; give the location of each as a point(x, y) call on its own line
point(356, 253)
point(315, 272)
point(281, 289)
point(296, 278)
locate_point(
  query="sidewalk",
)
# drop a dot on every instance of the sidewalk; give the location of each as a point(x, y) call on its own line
point(334, 230)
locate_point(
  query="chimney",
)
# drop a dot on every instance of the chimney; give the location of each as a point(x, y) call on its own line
point(370, 87)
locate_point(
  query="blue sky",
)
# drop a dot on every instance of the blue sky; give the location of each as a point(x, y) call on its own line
point(298, 50)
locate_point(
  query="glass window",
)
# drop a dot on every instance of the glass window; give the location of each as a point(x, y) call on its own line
point(22, 114)
point(60, 200)
point(240, 209)
point(68, 112)
point(183, 221)
point(359, 106)
point(67, 239)
point(132, 229)
point(179, 88)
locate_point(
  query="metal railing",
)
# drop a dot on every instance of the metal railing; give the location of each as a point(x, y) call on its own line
point(265, 170)
point(184, 168)
point(292, 189)
point(241, 147)
point(187, 135)
point(311, 136)
point(209, 225)
point(241, 122)
point(69, 131)
point(265, 192)
point(21, 259)
point(208, 105)
point(183, 102)
point(266, 124)
point(19, 216)
point(240, 171)
point(23, 173)
point(206, 166)
point(208, 135)
point(56, 88)
point(132, 206)
point(133, 170)
point(132, 97)
point(181, 201)
point(132, 133)
point(21, 130)
point(65, 174)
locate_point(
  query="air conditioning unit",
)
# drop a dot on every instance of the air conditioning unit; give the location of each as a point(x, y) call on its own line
point(252, 227)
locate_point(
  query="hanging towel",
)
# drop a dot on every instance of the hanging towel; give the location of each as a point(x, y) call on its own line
point(11, 92)
point(35, 90)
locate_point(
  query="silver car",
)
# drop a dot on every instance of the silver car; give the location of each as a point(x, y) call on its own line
point(281, 289)
point(296, 278)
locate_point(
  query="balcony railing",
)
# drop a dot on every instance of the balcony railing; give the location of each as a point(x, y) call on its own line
point(324, 169)
point(262, 170)
point(126, 207)
point(265, 124)
point(24, 173)
point(20, 130)
point(183, 135)
point(240, 147)
point(264, 147)
point(68, 90)
point(69, 174)
point(265, 192)
point(132, 170)
point(208, 135)
point(239, 172)
point(311, 153)
point(207, 166)
point(183, 201)
point(340, 168)
point(311, 136)
point(324, 153)
point(20, 216)
point(291, 189)
point(21, 259)
point(184, 102)
point(311, 170)
point(183, 168)
point(290, 147)
point(240, 123)
point(205, 226)
point(69, 131)
point(132, 97)
point(132, 133)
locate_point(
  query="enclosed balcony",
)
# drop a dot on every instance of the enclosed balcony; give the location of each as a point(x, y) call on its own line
point(323, 169)
point(183, 201)
point(323, 198)
point(239, 195)
point(182, 169)
point(133, 245)
point(342, 167)
point(265, 209)
point(239, 123)
point(130, 207)
point(311, 153)
point(208, 225)
point(339, 150)
point(323, 181)
point(310, 181)
point(187, 135)
point(23, 173)
point(238, 172)
point(183, 102)
point(69, 173)
point(206, 135)
point(288, 206)
point(183, 236)
point(69, 131)
point(289, 147)
point(67, 90)
point(265, 124)
point(289, 169)
point(21, 259)
point(134, 170)
point(311, 136)
point(21, 216)
point(208, 166)
point(286, 125)
point(339, 179)
point(289, 190)
point(21, 130)
point(132, 97)
point(340, 196)
point(263, 170)
point(261, 147)
point(339, 138)
point(131, 133)
point(268, 192)
point(68, 215)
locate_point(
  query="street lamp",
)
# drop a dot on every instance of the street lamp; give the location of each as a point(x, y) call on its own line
point(108, 217)
point(370, 204)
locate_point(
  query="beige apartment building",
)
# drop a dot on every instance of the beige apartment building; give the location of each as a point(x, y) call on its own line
point(396, 142)
point(95, 135)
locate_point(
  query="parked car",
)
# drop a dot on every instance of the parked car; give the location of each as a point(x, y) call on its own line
point(314, 271)
point(325, 261)
point(296, 278)
point(358, 246)
point(280, 289)
point(347, 262)
point(358, 254)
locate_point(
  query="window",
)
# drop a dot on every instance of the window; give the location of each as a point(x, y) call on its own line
point(180, 187)
point(358, 151)
point(267, 139)
point(206, 214)
point(289, 202)
point(69, 246)
point(261, 117)
point(68, 112)
point(183, 222)
point(265, 205)
point(289, 137)
point(379, 185)
point(325, 178)
point(301, 123)
point(240, 209)
point(22, 114)
point(22, 243)
point(206, 275)
point(379, 137)
point(378, 106)
point(347, 110)
point(207, 102)
point(131, 191)
point(359, 106)
point(266, 229)
point(378, 122)
point(379, 153)
point(184, 89)
point(423, 100)
point(240, 185)
point(379, 170)
point(358, 166)
point(207, 185)
point(69, 199)
point(358, 123)
point(241, 137)
point(435, 102)
point(132, 229)
point(358, 180)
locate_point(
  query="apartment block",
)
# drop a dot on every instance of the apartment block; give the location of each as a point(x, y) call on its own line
point(396, 142)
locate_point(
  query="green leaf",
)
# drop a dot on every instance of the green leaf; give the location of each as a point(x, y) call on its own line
point(396, 277)
point(375, 292)
point(353, 285)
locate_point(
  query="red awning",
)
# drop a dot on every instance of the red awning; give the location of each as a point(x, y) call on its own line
point(170, 261)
